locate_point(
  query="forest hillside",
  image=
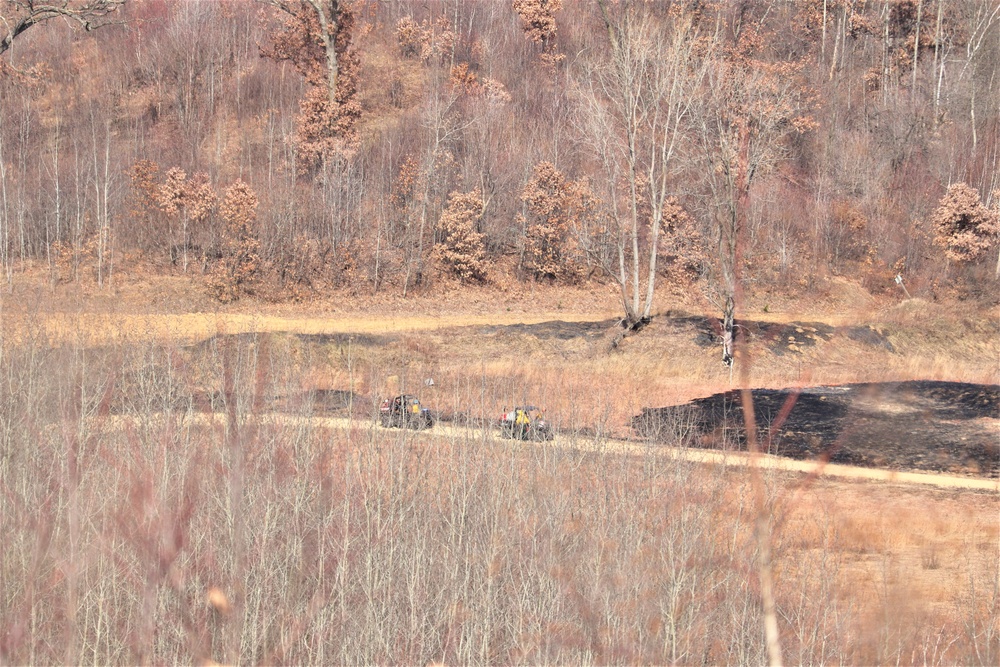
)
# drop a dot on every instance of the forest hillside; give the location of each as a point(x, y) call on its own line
point(286, 148)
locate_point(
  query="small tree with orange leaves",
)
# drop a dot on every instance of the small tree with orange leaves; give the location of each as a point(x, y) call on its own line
point(963, 226)
point(239, 270)
point(460, 252)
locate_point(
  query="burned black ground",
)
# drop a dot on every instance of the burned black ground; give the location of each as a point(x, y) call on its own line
point(778, 338)
point(555, 329)
point(916, 425)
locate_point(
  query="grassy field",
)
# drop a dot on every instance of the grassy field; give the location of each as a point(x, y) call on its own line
point(135, 533)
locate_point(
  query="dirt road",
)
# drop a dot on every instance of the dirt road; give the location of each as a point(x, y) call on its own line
point(588, 444)
point(736, 459)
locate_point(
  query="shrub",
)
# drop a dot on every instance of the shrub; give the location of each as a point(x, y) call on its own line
point(460, 251)
point(963, 226)
point(240, 267)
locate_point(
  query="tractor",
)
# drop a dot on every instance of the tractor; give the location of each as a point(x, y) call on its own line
point(525, 422)
point(404, 411)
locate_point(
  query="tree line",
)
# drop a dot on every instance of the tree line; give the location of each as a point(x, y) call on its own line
point(287, 147)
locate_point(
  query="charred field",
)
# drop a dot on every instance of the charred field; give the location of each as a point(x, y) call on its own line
point(865, 406)
point(922, 425)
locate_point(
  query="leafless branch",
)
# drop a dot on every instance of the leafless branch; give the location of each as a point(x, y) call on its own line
point(24, 14)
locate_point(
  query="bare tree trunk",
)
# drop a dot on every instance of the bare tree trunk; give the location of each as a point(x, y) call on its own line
point(78, 226)
point(328, 29)
point(822, 50)
point(634, 211)
point(4, 214)
point(728, 331)
point(623, 284)
point(55, 170)
point(420, 233)
point(938, 58)
point(916, 49)
point(105, 233)
point(972, 118)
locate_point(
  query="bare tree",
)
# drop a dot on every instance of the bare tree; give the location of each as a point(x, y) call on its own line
point(752, 105)
point(636, 98)
point(442, 125)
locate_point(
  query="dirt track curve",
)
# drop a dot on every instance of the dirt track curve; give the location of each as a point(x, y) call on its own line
point(588, 444)
point(716, 457)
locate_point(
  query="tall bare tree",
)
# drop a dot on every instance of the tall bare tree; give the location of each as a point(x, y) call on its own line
point(637, 96)
point(752, 105)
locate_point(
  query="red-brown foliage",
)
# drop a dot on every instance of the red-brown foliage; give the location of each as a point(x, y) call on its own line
point(460, 251)
point(963, 226)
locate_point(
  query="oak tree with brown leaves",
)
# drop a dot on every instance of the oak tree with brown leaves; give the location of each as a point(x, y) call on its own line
point(173, 201)
point(682, 247)
point(460, 252)
point(316, 38)
point(539, 23)
point(426, 40)
point(191, 200)
point(143, 201)
point(554, 205)
point(964, 226)
point(239, 271)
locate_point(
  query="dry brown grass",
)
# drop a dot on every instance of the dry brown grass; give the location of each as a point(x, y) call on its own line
point(136, 534)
